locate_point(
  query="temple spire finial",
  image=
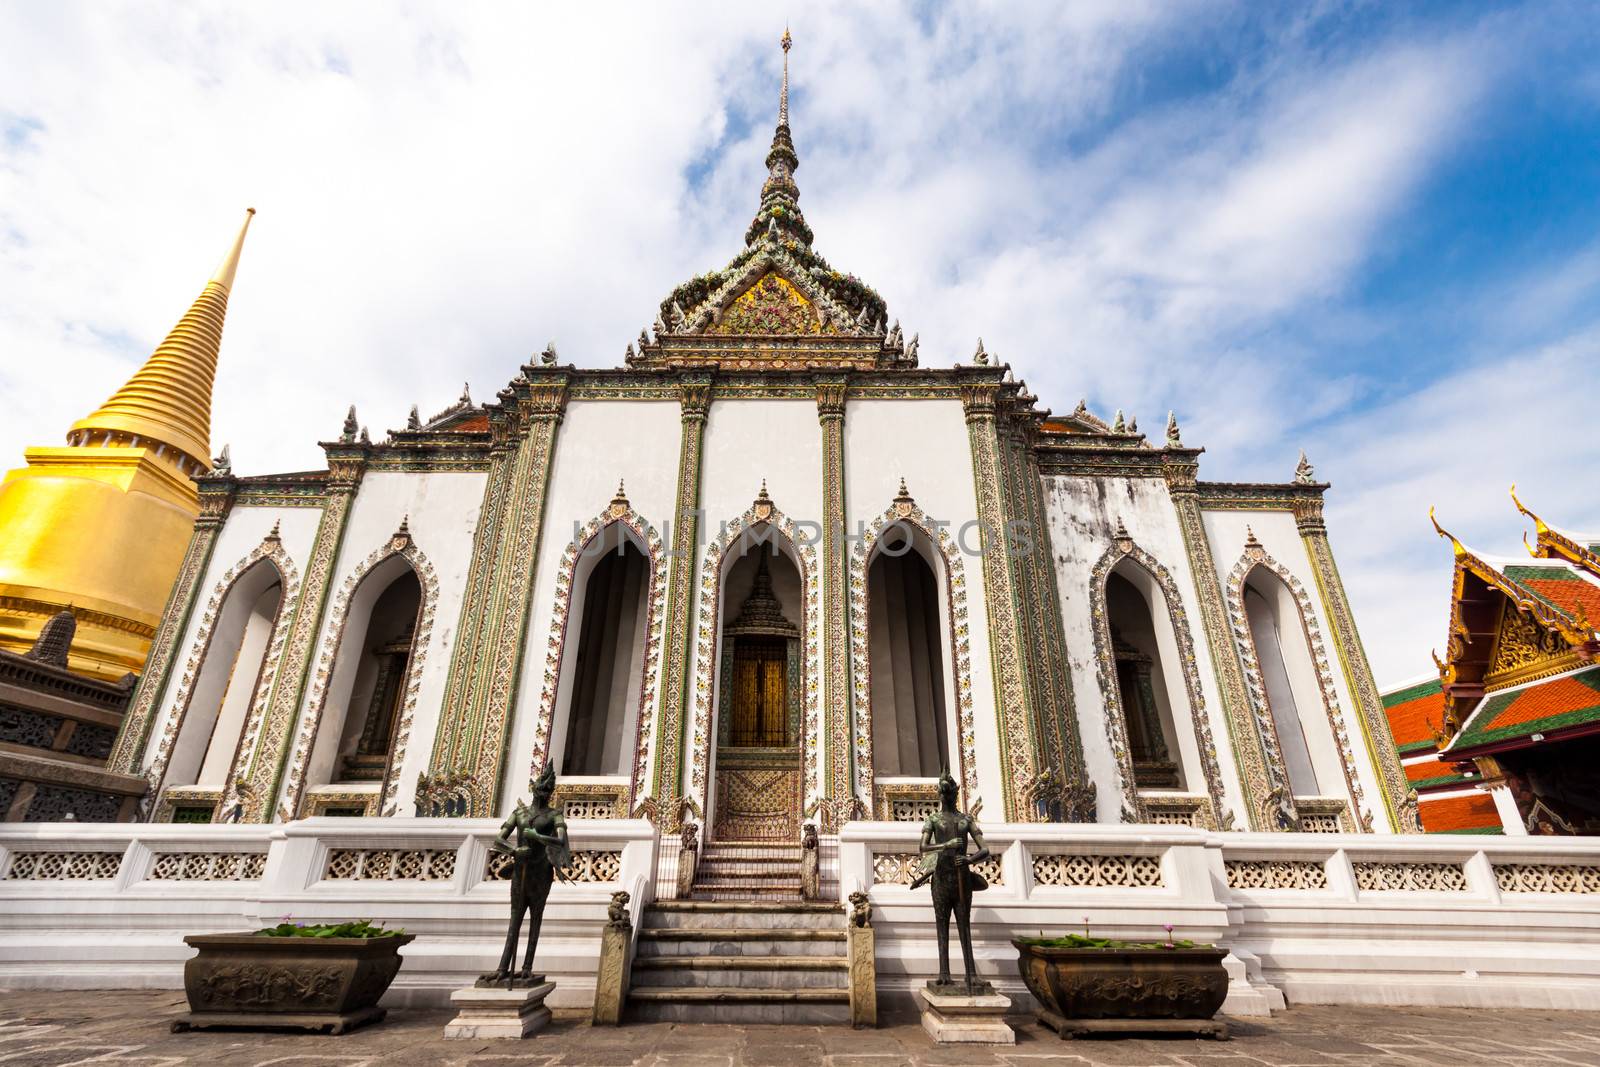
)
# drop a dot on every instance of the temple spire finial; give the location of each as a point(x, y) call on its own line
point(783, 95)
point(230, 262)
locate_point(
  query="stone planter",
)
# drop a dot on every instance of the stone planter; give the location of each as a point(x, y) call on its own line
point(1084, 990)
point(327, 983)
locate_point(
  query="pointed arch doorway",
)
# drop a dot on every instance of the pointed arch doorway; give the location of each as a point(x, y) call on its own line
point(759, 776)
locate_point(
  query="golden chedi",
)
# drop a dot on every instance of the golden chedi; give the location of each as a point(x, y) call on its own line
point(100, 526)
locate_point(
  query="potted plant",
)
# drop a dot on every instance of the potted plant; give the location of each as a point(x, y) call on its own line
point(1088, 984)
point(321, 977)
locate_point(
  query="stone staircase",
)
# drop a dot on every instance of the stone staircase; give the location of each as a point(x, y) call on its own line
point(751, 961)
point(732, 871)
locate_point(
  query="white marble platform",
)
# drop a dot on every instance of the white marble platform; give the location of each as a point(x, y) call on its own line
point(498, 1013)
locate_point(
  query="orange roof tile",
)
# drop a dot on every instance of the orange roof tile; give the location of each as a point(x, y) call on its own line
point(1466, 813)
point(1571, 699)
point(1431, 773)
point(1415, 712)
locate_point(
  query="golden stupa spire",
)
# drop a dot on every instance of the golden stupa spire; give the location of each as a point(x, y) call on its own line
point(168, 400)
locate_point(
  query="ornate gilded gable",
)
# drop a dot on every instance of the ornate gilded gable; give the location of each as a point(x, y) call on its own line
point(1524, 650)
point(772, 305)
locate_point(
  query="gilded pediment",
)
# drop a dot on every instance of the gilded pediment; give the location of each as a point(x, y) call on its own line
point(772, 305)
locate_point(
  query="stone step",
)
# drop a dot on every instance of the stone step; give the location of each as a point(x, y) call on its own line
point(758, 852)
point(757, 914)
point(738, 941)
point(743, 972)
point(724, 1004)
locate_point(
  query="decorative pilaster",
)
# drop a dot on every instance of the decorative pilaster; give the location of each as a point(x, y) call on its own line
point(1267, 801)
point(540, 399)
point(1013, 706)
point(450, 762)
point(216, 499)
point(838, 788)
point(1353, 659)
point(1064, 784)
point(263, 756)
point(694, 398)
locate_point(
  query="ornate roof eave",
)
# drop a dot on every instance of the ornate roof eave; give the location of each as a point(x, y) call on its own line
point(1575, 630)
point(1551, 543)
point(1461, 694)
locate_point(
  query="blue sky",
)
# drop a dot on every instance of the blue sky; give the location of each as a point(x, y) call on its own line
point(1369, 230)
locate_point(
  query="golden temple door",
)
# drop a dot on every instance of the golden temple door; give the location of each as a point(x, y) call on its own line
point(759, 782)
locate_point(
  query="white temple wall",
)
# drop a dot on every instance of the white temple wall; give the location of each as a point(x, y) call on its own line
point(1280, 536)
point(241, 533)
point(441, 510)
point(926, 443)
point(1082, 515)
point(599, 442)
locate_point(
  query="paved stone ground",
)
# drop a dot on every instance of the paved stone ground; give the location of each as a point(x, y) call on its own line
point(50, 1029)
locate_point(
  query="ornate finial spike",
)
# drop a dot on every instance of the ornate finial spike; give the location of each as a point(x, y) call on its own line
point(1304, 473)
point(1539, 525)
point(1133, 424)
point(223, 463)
point(980, 357)
point(763, 494)
point(366, 438)
point(1173, 440)
point(1082, 408)
point(548, 356)
point(414, 419)
point(1117, 425)
point(1455, 545)
point(466, 393)
point(1121, 532)
point(1250, 537)
point(403, 532)
point(350, 426)
point(622, 494)
point(783, 95)
point(274, 534)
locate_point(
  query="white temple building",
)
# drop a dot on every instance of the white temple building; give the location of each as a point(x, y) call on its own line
point(775, 571)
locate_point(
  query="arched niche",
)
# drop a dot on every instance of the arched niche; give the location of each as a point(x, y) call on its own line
point(906, 527)
point(376, 647)
point(601, 679)
point(1290, 684)
point(1145, 677)
point(1142, 635)
point(909, 671)
point(312, 783)
point(225, 687)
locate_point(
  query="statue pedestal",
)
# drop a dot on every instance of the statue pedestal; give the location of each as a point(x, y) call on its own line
point(966, 1019)
point(498, 1012)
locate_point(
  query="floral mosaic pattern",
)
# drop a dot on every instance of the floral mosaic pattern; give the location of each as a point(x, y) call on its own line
point(771, 305)
point(398, 545)
point(1133, 810)
point(708, 641)
point(555, 646)
point(955, 580)
point(271, 550)
point(1256, 556)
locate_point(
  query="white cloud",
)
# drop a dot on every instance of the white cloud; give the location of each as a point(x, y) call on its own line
point(444, 188)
